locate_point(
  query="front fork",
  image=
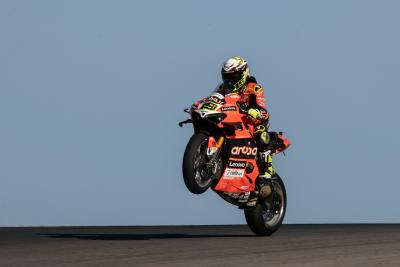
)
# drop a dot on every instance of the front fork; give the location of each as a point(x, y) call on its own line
point(213, 150)
point(214, 147)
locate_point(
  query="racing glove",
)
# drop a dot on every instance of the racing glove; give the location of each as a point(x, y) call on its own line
point(254, 113)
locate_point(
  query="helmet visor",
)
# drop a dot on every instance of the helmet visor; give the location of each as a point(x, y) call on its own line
point(233, 80)
point(232, 76)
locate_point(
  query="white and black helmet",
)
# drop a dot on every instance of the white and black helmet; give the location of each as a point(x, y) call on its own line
point(235, 72)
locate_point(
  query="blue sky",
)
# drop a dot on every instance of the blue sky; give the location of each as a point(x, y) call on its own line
point(91, 93)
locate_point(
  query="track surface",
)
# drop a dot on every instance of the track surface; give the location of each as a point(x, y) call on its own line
point(292, 245)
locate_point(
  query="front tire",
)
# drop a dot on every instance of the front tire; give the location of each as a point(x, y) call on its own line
point(193, 161)
point(266, 218)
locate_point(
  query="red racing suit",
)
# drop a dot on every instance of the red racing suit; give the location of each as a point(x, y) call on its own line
point(252, 97)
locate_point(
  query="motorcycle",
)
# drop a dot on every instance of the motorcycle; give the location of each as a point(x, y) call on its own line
point(222, 155)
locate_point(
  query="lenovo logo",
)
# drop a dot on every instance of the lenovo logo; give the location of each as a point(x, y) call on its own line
point(229, 108)
point(237, 164)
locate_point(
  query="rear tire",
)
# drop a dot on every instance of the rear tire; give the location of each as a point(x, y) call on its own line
point(197, 147)
point(263, 221)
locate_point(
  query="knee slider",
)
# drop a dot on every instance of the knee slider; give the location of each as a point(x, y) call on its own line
point(265, 138)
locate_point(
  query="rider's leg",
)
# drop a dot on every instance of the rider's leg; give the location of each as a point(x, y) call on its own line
point(267, 170)
point(269, 143)
point(263, 139)
point(273, 144)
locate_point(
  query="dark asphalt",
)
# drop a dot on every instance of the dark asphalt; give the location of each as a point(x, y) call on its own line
point(292, 245)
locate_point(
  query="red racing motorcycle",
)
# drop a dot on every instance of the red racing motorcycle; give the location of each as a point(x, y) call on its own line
point(222, 155)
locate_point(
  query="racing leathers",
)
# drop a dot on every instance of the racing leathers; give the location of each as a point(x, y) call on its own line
point(252, 101)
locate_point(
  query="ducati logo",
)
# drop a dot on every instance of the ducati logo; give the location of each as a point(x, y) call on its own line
point(244, 150)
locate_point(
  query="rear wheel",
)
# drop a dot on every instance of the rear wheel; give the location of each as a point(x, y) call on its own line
point(266, 218)
point(198, 171)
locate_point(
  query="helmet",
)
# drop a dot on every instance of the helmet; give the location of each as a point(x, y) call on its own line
point(234, 74)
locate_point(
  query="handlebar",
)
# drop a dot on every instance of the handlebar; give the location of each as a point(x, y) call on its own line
point(184, 122)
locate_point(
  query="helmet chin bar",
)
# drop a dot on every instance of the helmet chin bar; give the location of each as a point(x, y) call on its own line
point(235, 81)
point(230, 85)
point(235, 87)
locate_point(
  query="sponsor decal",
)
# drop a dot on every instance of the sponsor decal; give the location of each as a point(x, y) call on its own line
point(217, 98)
point(237, 164)
point(244, 150)
point(218, 95)
point(232, 195)
point(211, 150)
point(244, 197)
point(209, 106)
point(234, 173)
point(229, 108)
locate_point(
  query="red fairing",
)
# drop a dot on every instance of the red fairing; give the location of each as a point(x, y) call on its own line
point(241, 182)
point(286, 143)
point(241, 170)
point(198, 102)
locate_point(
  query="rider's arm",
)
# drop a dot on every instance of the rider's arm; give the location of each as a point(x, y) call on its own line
point(258, 108)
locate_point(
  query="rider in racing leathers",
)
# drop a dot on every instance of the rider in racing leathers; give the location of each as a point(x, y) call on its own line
point(237, 80)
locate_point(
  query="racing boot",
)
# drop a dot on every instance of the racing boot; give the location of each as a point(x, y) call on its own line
point(266, 173)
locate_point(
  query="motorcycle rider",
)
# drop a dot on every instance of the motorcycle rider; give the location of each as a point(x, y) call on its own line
point(236, 79)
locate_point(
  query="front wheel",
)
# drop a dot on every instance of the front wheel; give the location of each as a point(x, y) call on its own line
point(196, 174)
point(266, 218)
